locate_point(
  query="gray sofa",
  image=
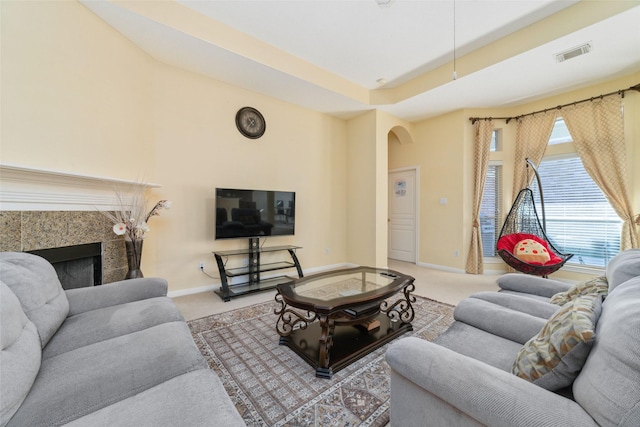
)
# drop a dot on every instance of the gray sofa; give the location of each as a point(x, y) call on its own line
point(113, 355)
point(465, 378)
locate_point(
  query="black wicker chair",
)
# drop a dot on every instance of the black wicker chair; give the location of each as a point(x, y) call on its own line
point(523, 222)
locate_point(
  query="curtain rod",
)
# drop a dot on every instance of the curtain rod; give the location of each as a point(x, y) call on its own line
point(559, 107)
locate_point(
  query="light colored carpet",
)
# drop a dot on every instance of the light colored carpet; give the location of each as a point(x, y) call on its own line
point(272, 386)
point(443, 286)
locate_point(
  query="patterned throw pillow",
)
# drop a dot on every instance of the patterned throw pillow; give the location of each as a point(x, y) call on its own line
point(528, 250)
point(598, 285)
point(553, 358)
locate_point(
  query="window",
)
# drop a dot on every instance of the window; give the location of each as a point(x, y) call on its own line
point(580, 220)
point(496, 143)
point(560, 134)
point(490, 221)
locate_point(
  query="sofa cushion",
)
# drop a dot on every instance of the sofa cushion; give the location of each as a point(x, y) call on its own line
point(109, 322)
point(498, 320)
point(553, 358)
point(598, 285)
point(193, 399)
point(20, 354)
point(607, 388)
point(622, 267)
point(76, 383)
point(35, 282)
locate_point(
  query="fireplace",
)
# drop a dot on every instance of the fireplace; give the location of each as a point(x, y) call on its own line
point(33, 231)
point(77, 266)
point(42, 209)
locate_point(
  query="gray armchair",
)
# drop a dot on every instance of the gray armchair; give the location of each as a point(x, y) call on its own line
point(464, 378)
point(434, 386)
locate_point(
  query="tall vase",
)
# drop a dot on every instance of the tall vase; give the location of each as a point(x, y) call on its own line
point(134, 256)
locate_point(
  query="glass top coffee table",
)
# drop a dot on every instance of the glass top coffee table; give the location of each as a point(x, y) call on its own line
point(332, 319)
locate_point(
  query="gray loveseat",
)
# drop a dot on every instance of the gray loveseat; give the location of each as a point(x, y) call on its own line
point(113, 355)
point(465, 377)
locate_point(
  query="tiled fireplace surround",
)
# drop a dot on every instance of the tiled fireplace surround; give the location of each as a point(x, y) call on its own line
point(29, 230)
point(41, 209)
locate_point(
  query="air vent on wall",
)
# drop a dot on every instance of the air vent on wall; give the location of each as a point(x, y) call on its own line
point(574, 52)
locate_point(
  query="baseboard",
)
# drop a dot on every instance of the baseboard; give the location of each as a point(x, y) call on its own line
point(191, 291)
point(314, 270)
point(456, 270)
point(441, 267)
point(584, 269)
point(485, 271)
point(216, 285)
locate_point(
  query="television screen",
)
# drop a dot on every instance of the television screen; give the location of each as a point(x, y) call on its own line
point(254, 213)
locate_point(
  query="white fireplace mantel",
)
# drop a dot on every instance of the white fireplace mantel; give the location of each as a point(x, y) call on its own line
point(25, 188)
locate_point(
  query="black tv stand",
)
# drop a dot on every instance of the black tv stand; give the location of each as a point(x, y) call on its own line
point(253, 269)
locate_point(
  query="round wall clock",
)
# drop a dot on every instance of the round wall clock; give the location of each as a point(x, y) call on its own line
point(250, 122)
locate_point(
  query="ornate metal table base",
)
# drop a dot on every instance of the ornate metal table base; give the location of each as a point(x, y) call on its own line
point(331, 342)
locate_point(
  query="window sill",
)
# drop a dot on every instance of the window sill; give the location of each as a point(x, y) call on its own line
point(585, 269)
point(573, 268)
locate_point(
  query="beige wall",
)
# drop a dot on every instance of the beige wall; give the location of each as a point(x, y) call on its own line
point(76, 96)
point(369, 137)
point(198, 148)
point(361, 196)
point(439, 150)
point(444, 149)
point(80, 98)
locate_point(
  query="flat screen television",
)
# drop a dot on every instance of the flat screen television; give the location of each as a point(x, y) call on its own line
point(254, 213)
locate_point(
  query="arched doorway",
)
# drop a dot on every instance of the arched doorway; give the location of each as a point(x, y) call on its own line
point(402, 212)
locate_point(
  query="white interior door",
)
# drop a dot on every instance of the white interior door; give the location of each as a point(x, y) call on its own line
point(402, 215)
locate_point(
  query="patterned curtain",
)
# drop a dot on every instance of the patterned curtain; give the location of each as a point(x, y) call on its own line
point(597, 129)
point(482, 143)
point(532, 136)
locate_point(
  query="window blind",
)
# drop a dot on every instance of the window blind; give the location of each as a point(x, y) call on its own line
point(490, 221)
point(580, 220)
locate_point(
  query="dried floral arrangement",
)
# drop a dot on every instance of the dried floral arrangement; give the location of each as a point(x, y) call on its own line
point(132, 219)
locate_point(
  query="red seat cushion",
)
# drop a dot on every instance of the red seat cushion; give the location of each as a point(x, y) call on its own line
point(509, 241)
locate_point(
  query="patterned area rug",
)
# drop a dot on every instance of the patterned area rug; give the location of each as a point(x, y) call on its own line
point(272, 386)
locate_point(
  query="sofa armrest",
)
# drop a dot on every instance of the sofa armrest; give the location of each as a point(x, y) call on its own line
point(95, 297)
point(481, 392)
point(533, 285)
point(498, 320)
point(521, 303)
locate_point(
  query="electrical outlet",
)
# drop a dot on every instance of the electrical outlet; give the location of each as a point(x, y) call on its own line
point(201, 265)
point(456, 253)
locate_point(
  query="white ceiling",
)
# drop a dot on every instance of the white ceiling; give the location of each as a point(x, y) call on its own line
point(352, 44)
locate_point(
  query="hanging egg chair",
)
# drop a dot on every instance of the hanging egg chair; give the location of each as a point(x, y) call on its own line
point(523, 243)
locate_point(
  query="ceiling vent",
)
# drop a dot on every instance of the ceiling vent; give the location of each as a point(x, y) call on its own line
point(573, 52)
